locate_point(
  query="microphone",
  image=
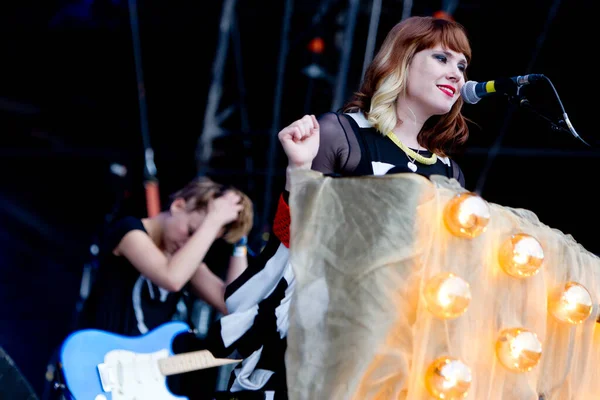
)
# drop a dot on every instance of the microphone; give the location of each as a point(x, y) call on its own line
point(473, 91)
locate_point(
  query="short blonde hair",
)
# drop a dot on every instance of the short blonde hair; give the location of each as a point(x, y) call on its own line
point(201, 190)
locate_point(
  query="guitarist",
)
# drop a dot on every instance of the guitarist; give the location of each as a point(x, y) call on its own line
point(145, 264)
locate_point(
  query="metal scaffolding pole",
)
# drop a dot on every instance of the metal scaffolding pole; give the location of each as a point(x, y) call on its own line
point(151, 182)
point(406, 9)
point(372, 38)
point(340, 87)
point(213, 118)
point(450, 6)
point(210, 127)
point(283, 52)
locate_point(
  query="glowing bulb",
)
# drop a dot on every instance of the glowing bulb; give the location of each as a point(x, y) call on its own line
point(521, 255)
point(571, 303)
point(518, 349)
point(447, 296)
point(448, 378)
point(467, 215)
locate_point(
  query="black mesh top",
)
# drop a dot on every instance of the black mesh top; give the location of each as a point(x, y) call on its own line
point(350, 146)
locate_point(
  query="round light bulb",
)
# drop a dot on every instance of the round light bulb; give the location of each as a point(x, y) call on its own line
point(518, 349)
point(521, 255)
point(448, 378)
point(447, 296)
point(467, 215)
point(571, 303)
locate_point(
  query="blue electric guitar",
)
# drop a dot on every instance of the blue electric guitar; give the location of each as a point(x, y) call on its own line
point(99, 365)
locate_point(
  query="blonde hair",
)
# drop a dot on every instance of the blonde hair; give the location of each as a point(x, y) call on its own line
point(382, 114)
point(201, 190)
point(386, 77)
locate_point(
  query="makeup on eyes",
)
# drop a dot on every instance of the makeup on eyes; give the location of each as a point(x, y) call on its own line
point(462, 63)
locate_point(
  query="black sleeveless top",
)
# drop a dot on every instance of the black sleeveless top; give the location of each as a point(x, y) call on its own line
point(122, 300)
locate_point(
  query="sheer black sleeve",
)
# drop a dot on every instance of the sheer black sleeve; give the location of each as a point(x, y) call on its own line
point(339, 151)
point(457, 173)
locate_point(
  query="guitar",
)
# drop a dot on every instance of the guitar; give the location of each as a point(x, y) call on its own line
point(99, 365)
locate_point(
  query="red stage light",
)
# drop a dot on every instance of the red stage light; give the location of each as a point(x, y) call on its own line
point(316, 45)
point(443, 15)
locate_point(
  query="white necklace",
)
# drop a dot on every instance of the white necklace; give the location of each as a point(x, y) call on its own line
point(411, 163)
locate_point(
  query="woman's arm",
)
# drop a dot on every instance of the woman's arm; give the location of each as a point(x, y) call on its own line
point(174, 272)
point(335, 150)
point(300, 141)
point(209, 287)
point(238, 262)
point(339, 151)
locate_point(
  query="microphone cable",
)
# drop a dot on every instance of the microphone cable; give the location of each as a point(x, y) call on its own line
point(565, 121)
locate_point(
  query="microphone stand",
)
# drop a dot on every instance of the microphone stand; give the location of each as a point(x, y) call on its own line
point(516, 98)
point(563, 125)
point(523, 102)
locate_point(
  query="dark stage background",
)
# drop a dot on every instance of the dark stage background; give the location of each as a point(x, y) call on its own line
point(69, 109)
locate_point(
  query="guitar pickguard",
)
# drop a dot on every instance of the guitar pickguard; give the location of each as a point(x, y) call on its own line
point(134, 376)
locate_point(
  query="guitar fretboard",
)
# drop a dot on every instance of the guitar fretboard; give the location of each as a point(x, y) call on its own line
point(193, 361)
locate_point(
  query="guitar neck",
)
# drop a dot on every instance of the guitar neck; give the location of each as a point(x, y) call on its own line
point(192, 361)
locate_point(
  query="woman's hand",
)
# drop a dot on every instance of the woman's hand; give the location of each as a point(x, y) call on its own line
point(226, 208)
point(300, 141)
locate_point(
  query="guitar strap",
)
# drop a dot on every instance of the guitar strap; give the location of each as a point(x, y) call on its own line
point(189, 300)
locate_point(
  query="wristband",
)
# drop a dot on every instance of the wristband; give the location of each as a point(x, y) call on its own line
point(239, 249)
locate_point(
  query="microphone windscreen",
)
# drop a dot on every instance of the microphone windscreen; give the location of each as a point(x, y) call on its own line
point(468, 93)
